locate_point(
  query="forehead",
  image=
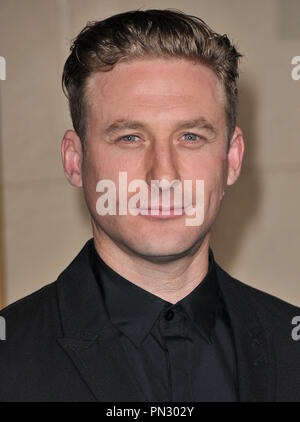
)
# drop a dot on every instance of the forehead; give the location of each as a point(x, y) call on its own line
point(155, 84)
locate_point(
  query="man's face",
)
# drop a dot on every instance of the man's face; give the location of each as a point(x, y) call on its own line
point(179, 132)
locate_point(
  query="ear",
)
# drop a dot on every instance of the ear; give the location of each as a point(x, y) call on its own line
point(71, 154)
point(235, 156)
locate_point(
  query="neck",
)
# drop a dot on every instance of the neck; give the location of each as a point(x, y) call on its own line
point(170, 281)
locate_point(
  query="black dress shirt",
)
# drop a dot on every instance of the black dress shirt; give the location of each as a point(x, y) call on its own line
point(179, 352)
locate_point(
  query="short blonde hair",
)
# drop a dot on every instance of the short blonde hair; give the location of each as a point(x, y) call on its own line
point(151, 33)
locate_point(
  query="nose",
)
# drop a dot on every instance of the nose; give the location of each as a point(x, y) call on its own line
point(162, 164)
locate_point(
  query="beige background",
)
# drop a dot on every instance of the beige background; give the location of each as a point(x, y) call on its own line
point(256, 237)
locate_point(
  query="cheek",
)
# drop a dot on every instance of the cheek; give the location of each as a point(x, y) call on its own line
point(215, 183)
point(97, 166)
point(89, 175)
point(213, 172)
point(93, 170)
point(209, 168)
point(101, 164)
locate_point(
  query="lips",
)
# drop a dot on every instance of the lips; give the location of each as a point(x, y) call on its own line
point(162, 212)
point(162, 208)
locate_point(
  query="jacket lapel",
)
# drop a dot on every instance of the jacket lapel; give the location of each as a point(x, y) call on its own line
point(90, 339)
point(253, 342)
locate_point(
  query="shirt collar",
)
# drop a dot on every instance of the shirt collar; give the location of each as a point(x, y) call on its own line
point(134, 310)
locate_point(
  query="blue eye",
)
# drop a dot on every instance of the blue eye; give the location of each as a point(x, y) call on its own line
point(129, 138)
point(191, 137)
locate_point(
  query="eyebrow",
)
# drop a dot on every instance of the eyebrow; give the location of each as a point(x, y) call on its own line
point(121, 124)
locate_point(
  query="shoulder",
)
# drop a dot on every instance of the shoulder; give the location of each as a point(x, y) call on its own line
point(275, 326)
point(32, 305)
point(30, 320)
point(28, 350)
point(33, 365)
point(42, 305)
point(270, 308)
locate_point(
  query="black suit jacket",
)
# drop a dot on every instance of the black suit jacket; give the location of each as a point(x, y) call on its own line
point(61, 346)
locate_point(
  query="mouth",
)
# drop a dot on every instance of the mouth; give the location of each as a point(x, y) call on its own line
point(162, 213)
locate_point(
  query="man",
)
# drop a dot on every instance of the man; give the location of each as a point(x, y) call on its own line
point(144, 313)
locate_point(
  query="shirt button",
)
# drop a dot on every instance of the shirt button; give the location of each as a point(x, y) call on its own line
point(169, 315)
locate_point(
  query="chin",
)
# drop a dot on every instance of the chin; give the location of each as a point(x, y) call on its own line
point(163, 242)
point(162, 248)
